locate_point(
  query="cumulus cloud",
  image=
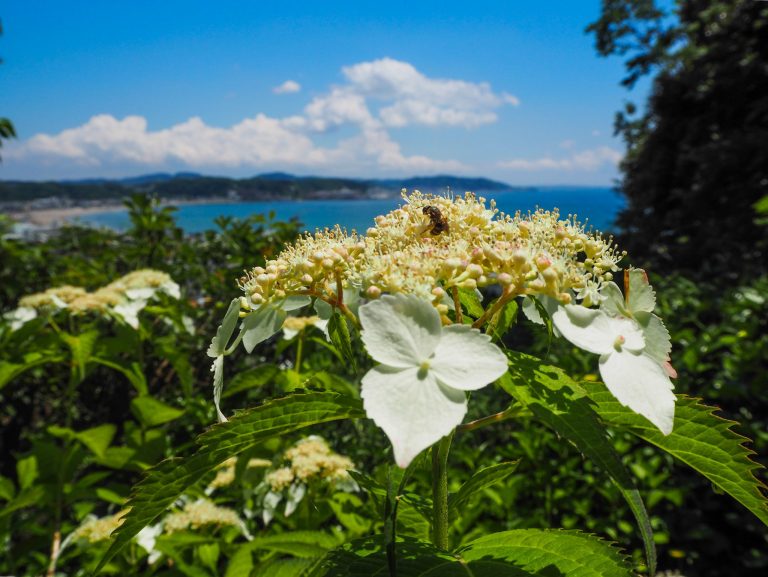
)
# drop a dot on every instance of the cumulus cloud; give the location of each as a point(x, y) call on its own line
point(287, 87)
point(586, 160)
point(375, 97)
point(418, 99)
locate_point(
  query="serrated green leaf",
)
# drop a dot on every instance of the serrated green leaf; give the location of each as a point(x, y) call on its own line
point(284, 567)
point(241, 562)
point(544, 552)
point(339, 333)
point(81, 346)
point(7, 488)
point(97, 439)
point(151, 412)
point(471, 302)
point(167, 481)
point(9, 371)
point(561, 404)
point(700, 439)
point(303, 544)
point(502, 320)
point(248, 379)
point(131, 371)
point(225, 330)
point(519, 553)
point(26, 498)
point(261, 324)
point(26, 471)
point(484, 478)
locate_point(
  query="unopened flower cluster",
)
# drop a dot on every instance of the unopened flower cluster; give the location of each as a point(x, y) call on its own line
point(225, 474)
point(308, 463)
point(197, 514)
point(123, 298)
point(432, 243)
point(96, 529)
point(309, 460)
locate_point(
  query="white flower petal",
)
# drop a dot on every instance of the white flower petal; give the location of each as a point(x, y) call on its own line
point(261, 324)
point(414, 410)
point(613, 303)
point(224, 332)
point(129, 312)
point(217, 368)
point(640, 383)
point(171, 289)
point(657, 341)
point(466, 359)
point(399, 330)
point(295, 493)
point(588, 329)
point(641, 295)
point(144, 293)
point(20, 316)
point(293, 302)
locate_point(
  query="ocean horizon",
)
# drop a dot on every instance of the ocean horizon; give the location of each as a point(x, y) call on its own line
point(597, 206)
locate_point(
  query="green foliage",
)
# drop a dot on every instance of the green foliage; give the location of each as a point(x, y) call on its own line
point(520, 553)
point(701, 440)
point(89, 407)
point(695, 166)
point(560, 404)
point(165, 483)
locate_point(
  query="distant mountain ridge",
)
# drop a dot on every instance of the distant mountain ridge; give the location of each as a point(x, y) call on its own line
point(268, 186)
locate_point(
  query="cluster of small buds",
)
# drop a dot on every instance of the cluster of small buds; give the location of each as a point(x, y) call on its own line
point(309, 460)
point(143, 278)
point(200, 513)
point(57, 297)
point(98, 529)
point(225, 474)
point(298, 324)
point(434, 243)
point(315, 264)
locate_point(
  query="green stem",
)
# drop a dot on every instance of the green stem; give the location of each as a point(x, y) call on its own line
point(440, 452)
point(299, 351)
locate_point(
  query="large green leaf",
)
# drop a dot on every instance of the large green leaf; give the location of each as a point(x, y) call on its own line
point(151, 412)
point(519, 553)
point(560, 403)
point(699, 439)
point(167, 481)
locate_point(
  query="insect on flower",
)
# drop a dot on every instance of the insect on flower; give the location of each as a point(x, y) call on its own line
point(437, 220)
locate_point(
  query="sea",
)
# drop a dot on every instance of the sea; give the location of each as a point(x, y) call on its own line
point(594, 206)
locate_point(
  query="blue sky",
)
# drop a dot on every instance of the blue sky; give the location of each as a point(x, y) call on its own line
point(511, 90)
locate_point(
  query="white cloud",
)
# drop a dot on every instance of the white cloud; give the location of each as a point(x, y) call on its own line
point(588, 160)
point(287, 87)
point(376, 96)
point(418, 99)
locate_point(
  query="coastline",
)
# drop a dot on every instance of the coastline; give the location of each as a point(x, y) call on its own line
point(55, 217)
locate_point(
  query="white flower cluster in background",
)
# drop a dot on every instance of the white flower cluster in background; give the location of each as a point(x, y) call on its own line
point(310, 462)
point(123, 299)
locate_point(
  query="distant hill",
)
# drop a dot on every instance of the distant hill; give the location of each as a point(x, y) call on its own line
point(268, 186)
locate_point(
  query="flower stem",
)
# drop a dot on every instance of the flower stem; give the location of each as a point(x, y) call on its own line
point(440, 452)
point(299, 350)
point(505, 297)
point(457, 304)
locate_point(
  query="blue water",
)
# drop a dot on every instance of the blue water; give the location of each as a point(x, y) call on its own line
point(599, 205)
